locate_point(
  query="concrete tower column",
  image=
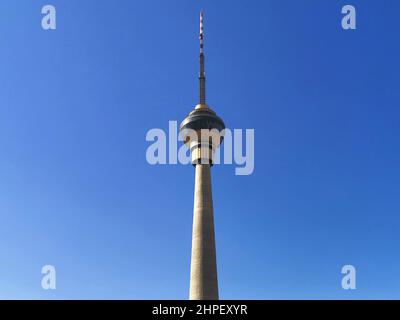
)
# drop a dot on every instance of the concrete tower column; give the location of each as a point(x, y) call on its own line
point(203, 272)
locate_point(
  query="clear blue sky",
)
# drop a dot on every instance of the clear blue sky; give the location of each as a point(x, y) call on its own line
point(76, 191)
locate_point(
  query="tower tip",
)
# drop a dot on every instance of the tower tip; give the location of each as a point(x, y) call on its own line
point(201, 33)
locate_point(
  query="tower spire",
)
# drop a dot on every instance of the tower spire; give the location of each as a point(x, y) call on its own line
point(202, 76)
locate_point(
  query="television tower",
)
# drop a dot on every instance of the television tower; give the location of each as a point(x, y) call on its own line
point(201, 131)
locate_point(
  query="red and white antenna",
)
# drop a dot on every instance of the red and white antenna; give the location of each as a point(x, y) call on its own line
point(201, 36)
point(202, 76)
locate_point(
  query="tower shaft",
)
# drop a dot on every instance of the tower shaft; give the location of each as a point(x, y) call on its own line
point(203, 272)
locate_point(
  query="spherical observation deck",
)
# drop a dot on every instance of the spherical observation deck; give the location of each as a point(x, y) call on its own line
point(201, 131)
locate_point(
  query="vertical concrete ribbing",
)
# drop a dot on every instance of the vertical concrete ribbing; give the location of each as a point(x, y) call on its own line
point(203, 269)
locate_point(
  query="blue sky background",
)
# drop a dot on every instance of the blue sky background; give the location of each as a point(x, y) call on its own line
point(76, 191)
